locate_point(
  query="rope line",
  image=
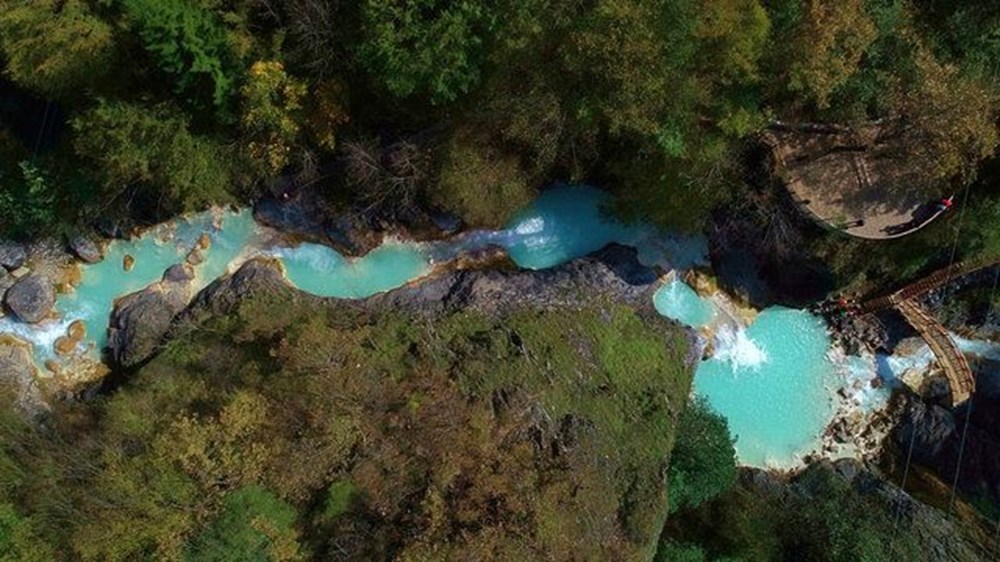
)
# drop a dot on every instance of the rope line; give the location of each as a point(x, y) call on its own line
point(41, 131)
point(961, 453)
point(913, 433)
point(902, 488)
point(968, 413)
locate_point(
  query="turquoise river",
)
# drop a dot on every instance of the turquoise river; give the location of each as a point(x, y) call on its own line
point(773, 379)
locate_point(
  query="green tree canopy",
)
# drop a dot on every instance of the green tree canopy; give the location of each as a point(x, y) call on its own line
point(253, 526)
point(825, 47)
point(149, 151)
point(703, 462)
point(56, 47)
point(188, 42)
point(430, 48)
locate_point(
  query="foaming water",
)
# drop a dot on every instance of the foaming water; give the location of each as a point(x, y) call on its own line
point(734, 346)
point(980, 348)
point(570, 221)
point(676, 300)
point(563, 223)
point(772, 384)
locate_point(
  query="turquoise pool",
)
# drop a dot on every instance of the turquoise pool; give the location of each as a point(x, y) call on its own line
point(773, 382)
point(676, 300)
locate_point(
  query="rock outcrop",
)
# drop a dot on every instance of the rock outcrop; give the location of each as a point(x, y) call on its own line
point(30, 299)
point(941, 537)
point(305, 214)
point(613, 274)
point(17, 369)
point(12, 255)
point(85, 249)
point(141, 319)
point(308, 217)
point(937, 436)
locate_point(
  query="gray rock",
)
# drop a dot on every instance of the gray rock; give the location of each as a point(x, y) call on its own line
point(930, 428)
point(85, 249)
point(30, 299)
point(18, 369)
point(309, 217)
point(939, 434)
point(447, 223)
point(109, 228)
point(12, 255)
point(253, 277)
point(141, 319)
point(178, 273)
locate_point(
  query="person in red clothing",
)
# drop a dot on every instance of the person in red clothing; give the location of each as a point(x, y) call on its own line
point(945, 204)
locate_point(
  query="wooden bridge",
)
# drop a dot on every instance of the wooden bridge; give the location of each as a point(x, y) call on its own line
point(952, 361)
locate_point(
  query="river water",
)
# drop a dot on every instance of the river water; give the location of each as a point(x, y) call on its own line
point(774, 379)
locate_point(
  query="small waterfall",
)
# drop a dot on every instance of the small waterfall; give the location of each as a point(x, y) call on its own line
point(466, 242)
point(733, 346)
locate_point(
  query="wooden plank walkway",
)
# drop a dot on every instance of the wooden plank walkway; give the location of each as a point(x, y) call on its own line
point(956, 367)
point(949, 356)
point(924, 285)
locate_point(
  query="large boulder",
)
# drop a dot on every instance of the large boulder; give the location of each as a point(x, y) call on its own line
point(140, 320)
point(12, 255)
point(941, 436)
point(30, 299)
point(85, 249)
point(17, 368)
point(308, 217)
point(179, 273)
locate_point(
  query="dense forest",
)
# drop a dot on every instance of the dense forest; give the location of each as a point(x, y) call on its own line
point(147, 108)
point(291, 430)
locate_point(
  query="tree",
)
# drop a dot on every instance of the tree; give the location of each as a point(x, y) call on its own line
point(253, 526)
point(942, 123)
point(149, 153)
point(271, 114)
point(480, 182)
point(703, 462)
point(732, 35)
point(321, 34)
point(825, 48)
point(188, 42)
point(27, 201)
point(627, 56)
point(326, 112)
point(55, 47)
point(386, 177)
point(427, 48)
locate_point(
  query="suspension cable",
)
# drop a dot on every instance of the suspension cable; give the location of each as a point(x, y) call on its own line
point(913, 433)
point(41, 131)
point(961, 453)
point(968, 412)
